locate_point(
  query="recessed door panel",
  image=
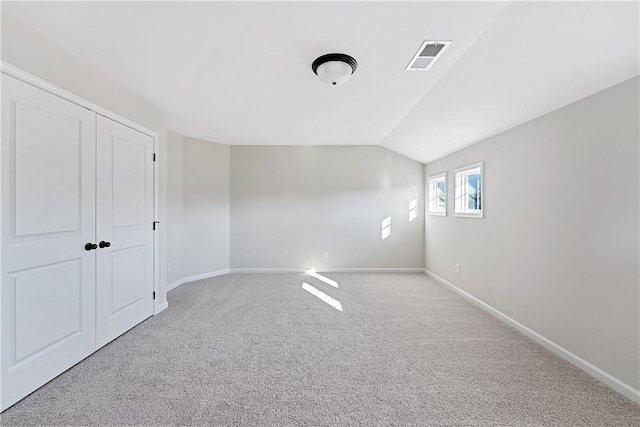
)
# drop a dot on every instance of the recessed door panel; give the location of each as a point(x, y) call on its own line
point(128, 278)
point(47, 153)
point(128, 182)
point(124, 220)
point(48, 307)
point(48, 211)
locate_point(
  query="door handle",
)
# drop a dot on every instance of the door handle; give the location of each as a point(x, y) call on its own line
point(104, 244)
point(90, 246)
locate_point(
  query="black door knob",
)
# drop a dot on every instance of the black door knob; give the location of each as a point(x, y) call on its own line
point(90, 246)
point(104, 244)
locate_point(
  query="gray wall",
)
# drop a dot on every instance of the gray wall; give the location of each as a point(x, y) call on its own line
point(206, 207)
point(558, 247)
point(27, 49)
point(175, 207)
point(291, 203)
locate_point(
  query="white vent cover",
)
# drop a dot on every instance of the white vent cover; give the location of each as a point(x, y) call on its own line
point(427, 55)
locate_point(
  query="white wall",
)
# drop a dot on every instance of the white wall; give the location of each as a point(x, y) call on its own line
point(198, 208)
point(175, 207)
point(206, 207)
point(25, 48)
point(558, 248)
point(291, 203)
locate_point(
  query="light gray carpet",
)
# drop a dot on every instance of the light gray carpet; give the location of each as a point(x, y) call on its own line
point(259, 350)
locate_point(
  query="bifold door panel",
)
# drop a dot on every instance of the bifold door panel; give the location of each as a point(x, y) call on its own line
point(76, 235)
point(124, 220)
point(48, 214)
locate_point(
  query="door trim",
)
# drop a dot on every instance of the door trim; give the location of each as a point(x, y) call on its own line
point(18, 73)
point(26, 77)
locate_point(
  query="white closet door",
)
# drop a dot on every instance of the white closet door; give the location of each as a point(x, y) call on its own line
point(124, 223)
point(48, 215)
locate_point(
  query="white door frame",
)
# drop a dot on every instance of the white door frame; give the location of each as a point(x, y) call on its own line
point(26, 77)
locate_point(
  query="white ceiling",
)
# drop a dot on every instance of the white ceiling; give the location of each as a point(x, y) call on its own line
point(537, 57)
point(240, 73)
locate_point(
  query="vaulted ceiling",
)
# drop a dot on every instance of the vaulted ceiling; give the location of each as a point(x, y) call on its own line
point(240, 72)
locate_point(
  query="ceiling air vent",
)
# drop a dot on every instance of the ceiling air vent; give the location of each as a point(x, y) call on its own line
point(427, 55)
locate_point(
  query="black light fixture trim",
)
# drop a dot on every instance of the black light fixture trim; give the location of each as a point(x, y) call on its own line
point(334, 57)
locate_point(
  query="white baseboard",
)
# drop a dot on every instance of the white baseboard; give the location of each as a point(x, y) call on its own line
point(328, 270)
point(197, 277)
point(291, 270)
point(161, 308)
point(608, 379)
point(268, 270)
point(371, 270)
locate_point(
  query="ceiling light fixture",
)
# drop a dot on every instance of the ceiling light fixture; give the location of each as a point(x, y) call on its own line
point(334, 68)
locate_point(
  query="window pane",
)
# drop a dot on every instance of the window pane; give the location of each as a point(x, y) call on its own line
point(437, 194)
point(472, 201)
point(473, 183)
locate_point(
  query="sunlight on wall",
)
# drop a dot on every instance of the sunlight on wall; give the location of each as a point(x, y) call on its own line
point(386, 227)
point(413, 210)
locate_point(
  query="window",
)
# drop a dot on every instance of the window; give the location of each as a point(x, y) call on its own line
point(413, 209)
point(386, 227)
point(438, 194)
point(469, 191)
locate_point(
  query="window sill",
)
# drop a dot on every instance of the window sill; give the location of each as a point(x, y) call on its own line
point(469, 215)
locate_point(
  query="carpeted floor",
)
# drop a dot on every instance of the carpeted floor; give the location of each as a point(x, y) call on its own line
point(259, 350)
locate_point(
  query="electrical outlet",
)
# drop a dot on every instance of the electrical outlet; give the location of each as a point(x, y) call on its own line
point(169, 266)
point(457, 268)
point(326, 254)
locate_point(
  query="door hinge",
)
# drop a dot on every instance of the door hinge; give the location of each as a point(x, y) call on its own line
point(154, 224)
point(154, 157)
point(154, 294)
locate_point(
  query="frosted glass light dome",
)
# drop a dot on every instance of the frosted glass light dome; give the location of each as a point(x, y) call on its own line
point(334, 72)
point(334, 68)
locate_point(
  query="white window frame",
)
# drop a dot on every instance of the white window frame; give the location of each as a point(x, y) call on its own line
point(460, 208)
point(431, 182)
